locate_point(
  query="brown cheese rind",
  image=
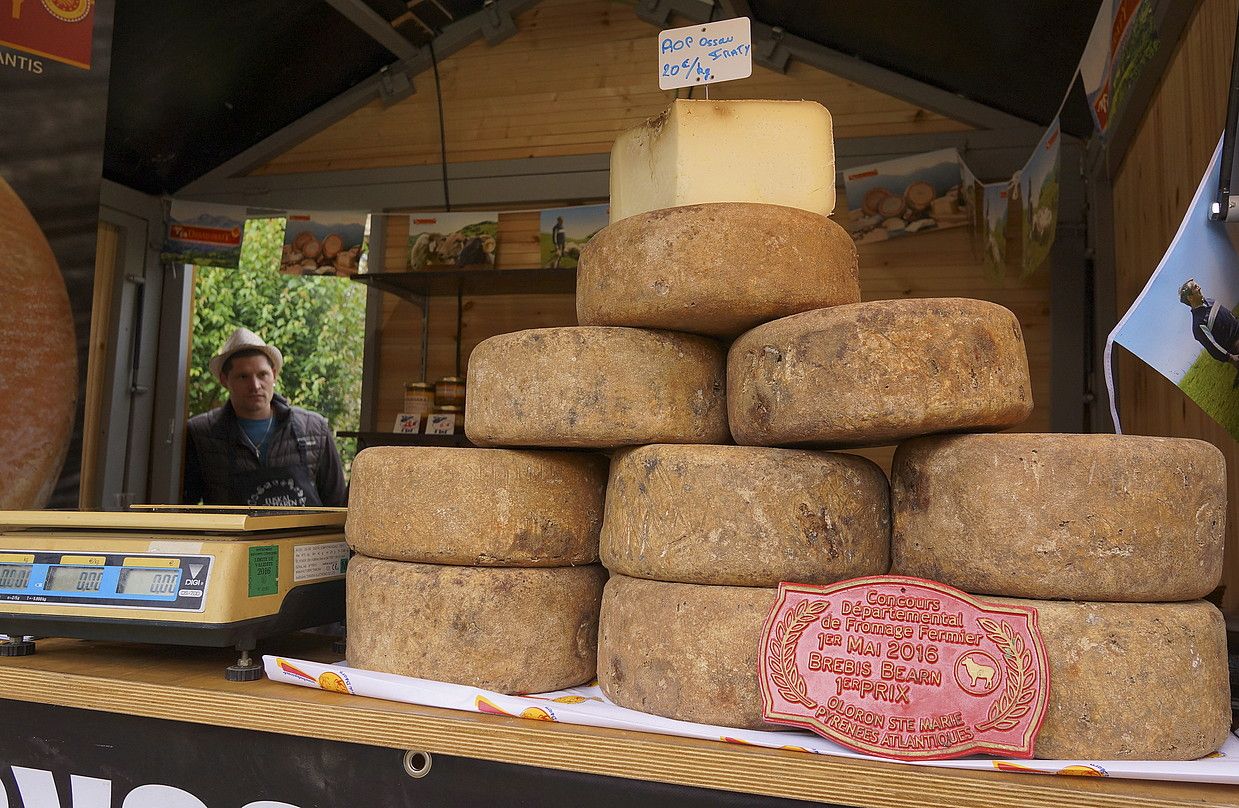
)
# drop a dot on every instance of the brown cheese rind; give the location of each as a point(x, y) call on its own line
point(502, 629)
point(596, 387)
point(683, 651)
point(878, 372)
point(38, 360)
point(1076, 517)
point(717, 269)
point(745, 516)
point(477, 507)
point(1133, 681)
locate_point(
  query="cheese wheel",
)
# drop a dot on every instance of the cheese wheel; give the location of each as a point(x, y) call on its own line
point(477, 507)
point(716, 269)
point(874, 373)
point(1073, 517)
point(683, 651)
point(596, 387)
point(503, 629)
point(745, 516)
point(776, 152)
point(38, 361)
point(1132, 681)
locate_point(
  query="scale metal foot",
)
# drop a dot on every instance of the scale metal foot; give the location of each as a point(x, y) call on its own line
point(14, 648)
point(246, 669)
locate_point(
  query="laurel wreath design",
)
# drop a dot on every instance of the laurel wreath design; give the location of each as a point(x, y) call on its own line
point(782, 651)
point(1017, 697)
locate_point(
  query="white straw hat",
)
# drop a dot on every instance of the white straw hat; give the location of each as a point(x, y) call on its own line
point(241, 340)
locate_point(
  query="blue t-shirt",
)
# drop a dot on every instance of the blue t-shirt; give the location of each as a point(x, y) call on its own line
point(258, 430)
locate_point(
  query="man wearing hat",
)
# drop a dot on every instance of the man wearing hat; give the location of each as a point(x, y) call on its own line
point(258, 449)
point(1213, 325)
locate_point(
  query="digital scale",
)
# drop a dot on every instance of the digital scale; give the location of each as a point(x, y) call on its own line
point(204, 576)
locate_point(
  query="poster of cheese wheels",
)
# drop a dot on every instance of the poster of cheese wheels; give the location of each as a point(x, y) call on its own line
point(908, 195)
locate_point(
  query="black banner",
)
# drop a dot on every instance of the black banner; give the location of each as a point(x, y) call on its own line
point(56, 757)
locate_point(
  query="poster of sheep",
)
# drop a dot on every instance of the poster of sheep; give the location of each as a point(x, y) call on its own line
point(904, 196)
point(323, 243)
point(562, 233)
point(452, 240)
point(994, 209)
point(1039, 200)
point(1184, 322)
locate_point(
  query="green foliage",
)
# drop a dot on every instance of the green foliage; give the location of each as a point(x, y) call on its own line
point(317, 322)
point(1142, 44)
point(1211, 384)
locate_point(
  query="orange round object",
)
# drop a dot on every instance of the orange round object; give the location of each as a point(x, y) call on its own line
point(38, 360)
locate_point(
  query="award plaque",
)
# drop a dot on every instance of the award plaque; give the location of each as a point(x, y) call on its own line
point(904, 668)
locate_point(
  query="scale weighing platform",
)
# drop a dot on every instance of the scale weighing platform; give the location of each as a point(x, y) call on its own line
point(205, 576)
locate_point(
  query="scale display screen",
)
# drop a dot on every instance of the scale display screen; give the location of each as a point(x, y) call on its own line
point(15, 576)
point(124, 580)
point(73, 579)
point(138, 581)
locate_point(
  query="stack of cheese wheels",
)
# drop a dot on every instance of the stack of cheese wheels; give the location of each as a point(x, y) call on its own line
point(1113, 539)
point(476, 566)
point(718, 224)
point(697, 539)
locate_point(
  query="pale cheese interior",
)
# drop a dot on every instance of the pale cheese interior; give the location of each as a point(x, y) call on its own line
point(773, 152)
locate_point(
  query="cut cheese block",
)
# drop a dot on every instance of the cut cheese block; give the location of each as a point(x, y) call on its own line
point(683, 651)
point(477, 507)
point(776, 152)
point(38, 361)
point(596, 387)
point(744, 516)
point(1133, 681)
point(879, 372)
point(716, 269)
point(1074, 517)
point(502, 629)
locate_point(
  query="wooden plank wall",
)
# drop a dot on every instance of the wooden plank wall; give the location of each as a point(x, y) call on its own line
point(576, 73)
point(1152, 189)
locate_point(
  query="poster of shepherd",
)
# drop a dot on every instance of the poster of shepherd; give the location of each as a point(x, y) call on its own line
point(903, 196)
point(1183, 324)
point(452, 240)
point(994, 218)
point(562, 233)
point(323, 243)
point(1039, 193)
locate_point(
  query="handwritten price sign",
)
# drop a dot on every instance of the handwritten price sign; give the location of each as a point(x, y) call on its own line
point(705, 54)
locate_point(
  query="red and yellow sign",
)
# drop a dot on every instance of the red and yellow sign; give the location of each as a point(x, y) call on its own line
point(904, 668)
point(62, 30)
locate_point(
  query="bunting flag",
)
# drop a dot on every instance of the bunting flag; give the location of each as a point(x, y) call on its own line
point(994, 220)
point(1123, 40)
point(204, 234)
point(1038, 182)
point(562, 232)
point(323, 243)
point(452, 240)
point(970, 200)
point(903, 196)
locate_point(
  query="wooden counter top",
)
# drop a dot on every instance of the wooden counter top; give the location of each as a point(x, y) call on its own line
point(160, 682)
